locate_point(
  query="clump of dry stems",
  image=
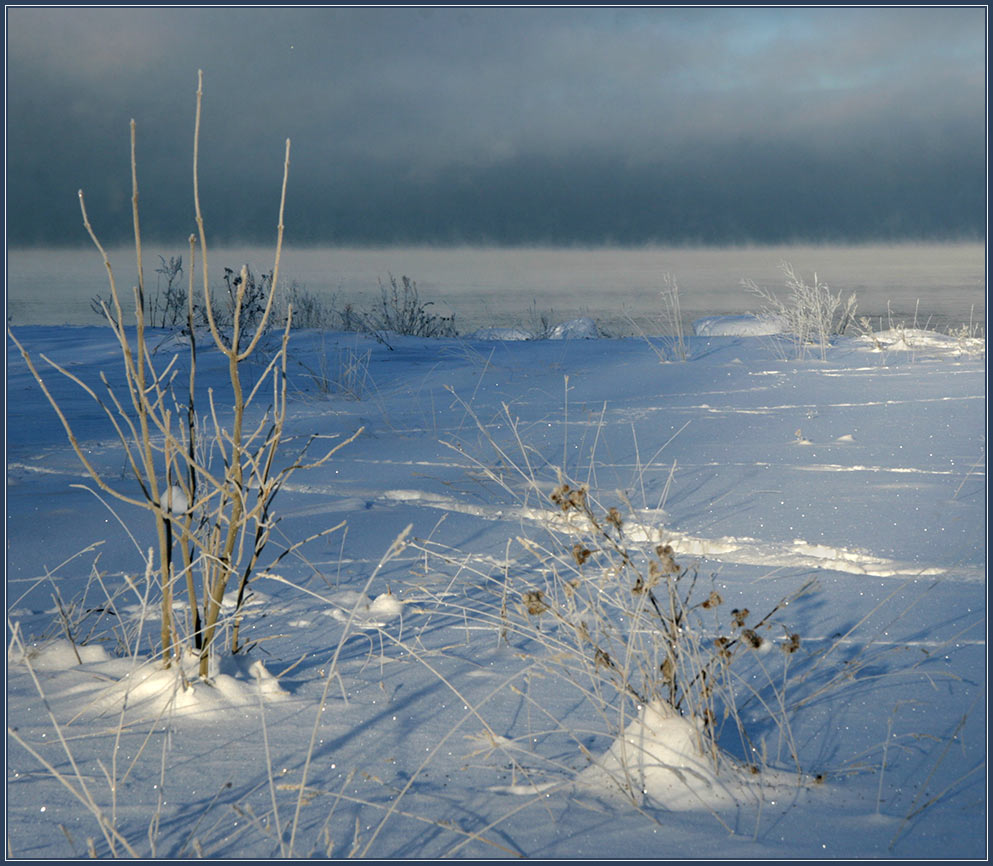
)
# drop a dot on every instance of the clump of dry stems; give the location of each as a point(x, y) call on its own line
point(640, 625)
point(603, 600)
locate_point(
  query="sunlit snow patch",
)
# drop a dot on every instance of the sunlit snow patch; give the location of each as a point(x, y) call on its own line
point(57, 655)
point(925, 342)
point(102, 683)
point(575, 329)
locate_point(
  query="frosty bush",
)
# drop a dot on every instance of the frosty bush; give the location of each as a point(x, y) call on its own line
point(810, 315)
point(673, 315)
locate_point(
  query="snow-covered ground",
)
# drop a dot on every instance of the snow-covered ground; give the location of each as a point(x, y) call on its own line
point(401, 702)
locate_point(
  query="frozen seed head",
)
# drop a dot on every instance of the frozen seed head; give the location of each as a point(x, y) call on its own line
point(641, 585)
point(568, 498)
point(614, 518)
point(580, 553)
point(666, 561)
point(738, 617)
point(534, 602)
point(713, 600)
point(792, 644)
point(752, 639)
point(721, 644)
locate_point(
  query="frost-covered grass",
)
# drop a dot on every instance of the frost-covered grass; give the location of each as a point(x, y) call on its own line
point(418, 685)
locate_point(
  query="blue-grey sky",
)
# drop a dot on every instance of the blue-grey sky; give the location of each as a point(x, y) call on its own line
point(502, 125)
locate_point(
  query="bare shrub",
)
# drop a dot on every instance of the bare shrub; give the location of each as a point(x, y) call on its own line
point(207, 482)
point(402, 312)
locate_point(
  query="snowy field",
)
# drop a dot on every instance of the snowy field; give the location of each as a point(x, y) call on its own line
point(433, 679)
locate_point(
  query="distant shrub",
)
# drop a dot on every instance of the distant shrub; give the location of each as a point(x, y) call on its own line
point(811, 314)
point(167, 309)
point(402, 312)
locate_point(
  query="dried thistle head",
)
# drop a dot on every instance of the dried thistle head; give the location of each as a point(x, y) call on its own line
point(712, 600)
point(641, 585)
point(560, 496)
point(722, 644)
point(580, 553)
point(738, 617)
point(614, 518)
point(534, 602)
point(568, 498)
point(668, 671)
point(792, 644)
point(577, 498)
point(752, 639)
point(666, 562)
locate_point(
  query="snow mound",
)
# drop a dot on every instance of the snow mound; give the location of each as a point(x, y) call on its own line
point(94, 682)
point(737, 326)
point(57, 655)
point(502, 334)
point(367, 614)
point(659, 758)
point(154, 691)
point(575, 329)
point(921, 340)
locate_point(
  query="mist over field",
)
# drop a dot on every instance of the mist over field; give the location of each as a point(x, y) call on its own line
point(940, 284)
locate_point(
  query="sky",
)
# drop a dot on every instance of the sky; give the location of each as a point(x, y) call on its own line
point(472, 125)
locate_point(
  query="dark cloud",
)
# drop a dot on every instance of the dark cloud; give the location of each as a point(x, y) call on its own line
point(510, 125)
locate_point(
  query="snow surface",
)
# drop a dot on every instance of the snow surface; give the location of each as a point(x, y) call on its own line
point(737, 326)
point(381, 713)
